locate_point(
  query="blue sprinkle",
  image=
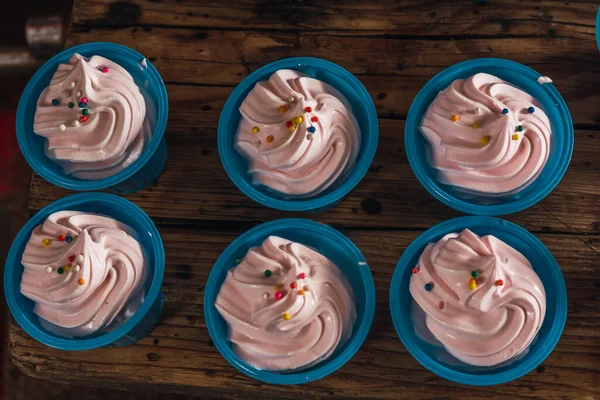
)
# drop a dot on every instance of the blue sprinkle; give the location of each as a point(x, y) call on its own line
point(531, 110)
point(55, 102)
point(428, 286)
point(505, 111)
point(68, 239)
point(82, 105)
point(312, 129)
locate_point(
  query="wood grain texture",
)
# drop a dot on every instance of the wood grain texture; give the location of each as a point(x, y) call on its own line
point(204, 49)
point(179, 355)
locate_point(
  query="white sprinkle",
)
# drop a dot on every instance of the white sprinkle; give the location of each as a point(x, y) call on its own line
point(79, 259)
point(62, 127)
point(310, 136)
point(257, 144)
point(477, 110)
point(76, 123)
point(544, 79)
point(143, 64)
point(48, 269)
point(362, 263)
point(292, 99)
point(76, 268)
point(72, 84)
point(265, 296)
point(306, 288)
point(78, 94)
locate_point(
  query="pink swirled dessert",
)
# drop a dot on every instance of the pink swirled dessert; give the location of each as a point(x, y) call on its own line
point(84, 272)
point(298, 134)
point(481, 297)
point(486, 136)
point(93, 116)
point(287, 306)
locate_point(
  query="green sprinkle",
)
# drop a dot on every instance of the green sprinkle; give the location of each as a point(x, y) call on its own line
point(519, 128)
point(60, 270)
point(85, 111)
point(475, 274)
point(71, 105)
point(268, 273)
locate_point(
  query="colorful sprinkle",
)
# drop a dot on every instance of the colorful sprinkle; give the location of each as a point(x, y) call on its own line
point(286, 316)
point(255, 129)
point(62, 127)
point(474, 274)
point(81, 105)
point(76, 268)
point(454, 117)
point(307, 109)
point(292, 128)
point(472, 284)
point(312, 129)
point(298, 120)
point(71, 104)
point(76, 124)
point(83, 100)
point(499, 282)
point(78, 94)
point(265, 296)
point(67, 267)
point(289, 124)
point(306, 288)
point(68, 239)
point(283, 109)
point(277, 287)
point(300, 292)
point(429, 287)
point(302, 275)
point(485, 140)
point(515, 136)
point(83, 118)
point(520, 128)
point(72, 84)
point(85, 111)
point(268, 273)
point(531, 110)
point(441, 305)
point(60, 270)
point(81, 281)
point(48, 269)
point(238, 261)
point(415, 270)
point(105, 70)
point(314, 119)
point(45, 242)
point(71, 259)
point(55, 102)
point(505, 111)
point(270, 138)
point(291, 99)
point(61, 238)
point(476, 125)
point(310, 136)
point(293, 285)
point(278, 295)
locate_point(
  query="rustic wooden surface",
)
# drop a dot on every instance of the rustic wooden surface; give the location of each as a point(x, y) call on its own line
point(203, 49)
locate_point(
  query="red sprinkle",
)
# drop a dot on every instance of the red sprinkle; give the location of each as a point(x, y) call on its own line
point(83, 118)
point(61, 238)
point(105, 70)
point(314, 119)
point(293, 285)
point(71, 259)
point(278, 295)
point(302, 275)
point(289, 124)
point(308, 109)
point(415, 270)
point(83, 100)
point(499, 282)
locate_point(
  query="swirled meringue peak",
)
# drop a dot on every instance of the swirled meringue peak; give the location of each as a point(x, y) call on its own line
point(298, 134)
point(84, 272)
point(287, 306)
point(486, 136)
point(481, 298)
point(93, 116)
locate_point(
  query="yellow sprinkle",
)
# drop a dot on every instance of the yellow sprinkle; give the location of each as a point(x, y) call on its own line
point(270, 138)
point(472, 283)
point(300, 292)
point(277, 287)
point(67, 267)
point(515, 136)
point(292, 128)
point(46, 242)
point(454, 117)
point(476, 125)
point(298, 120)
point(255, 129)
point(283, 109)
point(485, 140)
point(81, 281)
point(286, 316)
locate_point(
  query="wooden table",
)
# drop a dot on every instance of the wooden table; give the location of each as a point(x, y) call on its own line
point(204, 50)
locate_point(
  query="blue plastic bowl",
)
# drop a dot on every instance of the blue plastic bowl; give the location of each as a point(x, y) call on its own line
point(140, 173)
point(435, 358)
point(135, 328)
point(327, 241)
point(554, 106)
point(598, 28)
point(337, 77)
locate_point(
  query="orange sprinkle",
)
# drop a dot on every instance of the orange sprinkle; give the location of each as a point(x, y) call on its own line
point(300, 292)
point(270, 138)
point(454, 117)
point(485, 140)
point(81, 281)
point(283, 109)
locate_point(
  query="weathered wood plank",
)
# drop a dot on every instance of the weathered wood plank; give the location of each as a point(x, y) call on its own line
point(508, 18)
point(196, 188)
point(179, 356)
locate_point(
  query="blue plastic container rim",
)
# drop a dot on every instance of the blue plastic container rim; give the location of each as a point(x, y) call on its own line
point(328, 366)
point(23, 236)
point(598, 28)
point(434, 189)
point(355, 175)
point(162, 109)
point(456, 225)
